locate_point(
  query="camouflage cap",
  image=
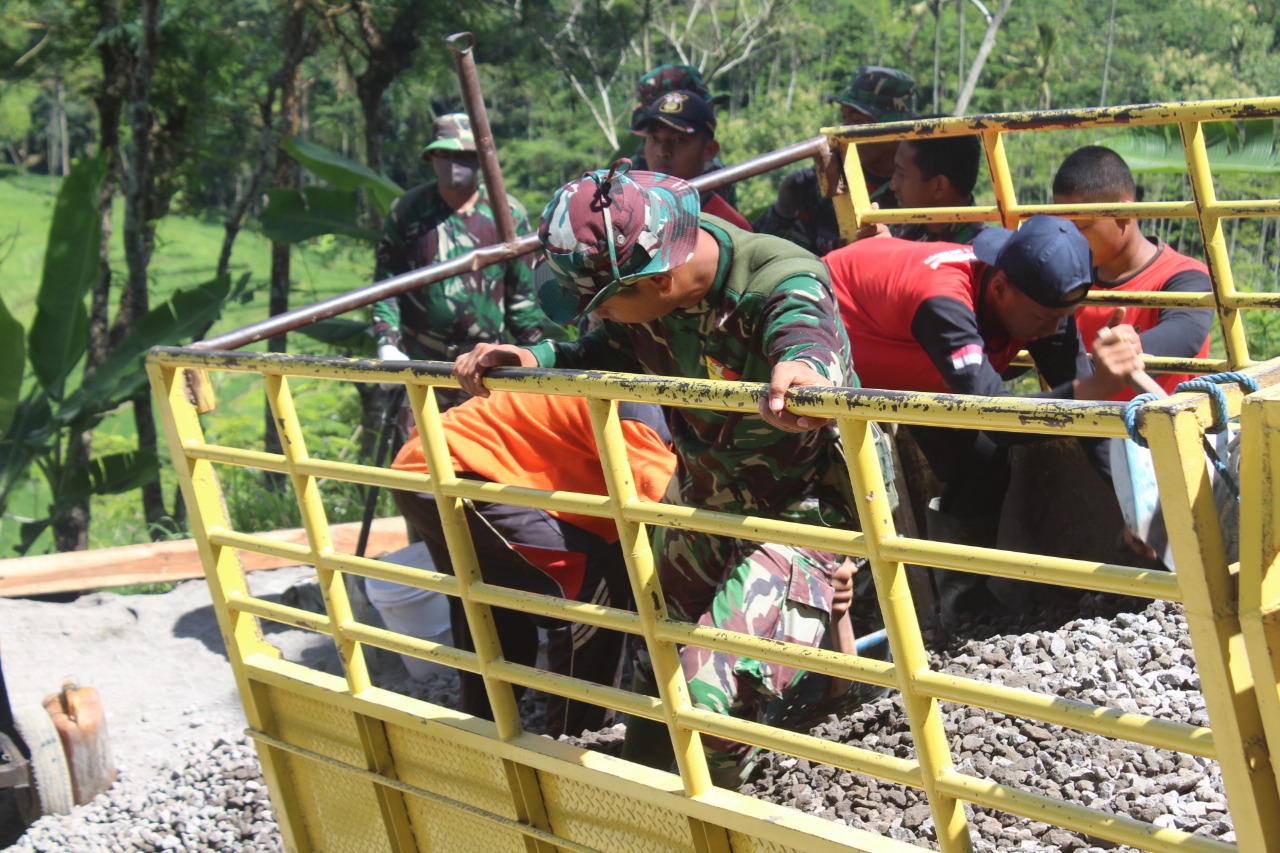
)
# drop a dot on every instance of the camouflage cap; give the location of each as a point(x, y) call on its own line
point(883, 93)
point(610, 228)
point(453, 133)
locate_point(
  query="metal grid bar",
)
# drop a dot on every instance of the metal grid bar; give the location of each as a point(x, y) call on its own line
point(1242, 706)
point(854, 208)
point(1259, 551)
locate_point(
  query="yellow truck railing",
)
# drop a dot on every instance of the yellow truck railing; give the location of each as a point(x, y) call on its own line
point(853, 205)
point(353, 766)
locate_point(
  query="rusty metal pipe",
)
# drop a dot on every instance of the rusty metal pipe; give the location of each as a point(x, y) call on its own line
point(473, 100)
point(353, 299)
point(764, 163)
point(475, 259)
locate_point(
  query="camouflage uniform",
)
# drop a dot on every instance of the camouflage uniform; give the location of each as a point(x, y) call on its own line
point(882, 94)
point(442, 320)
point(951, 232)
point(815, 227)
point(757, 313)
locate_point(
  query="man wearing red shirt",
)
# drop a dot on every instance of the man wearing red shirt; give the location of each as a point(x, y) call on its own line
point(945, 317)
point(1126, 260)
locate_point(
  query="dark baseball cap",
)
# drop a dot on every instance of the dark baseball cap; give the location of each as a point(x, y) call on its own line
point(610, 228)
point(680, 110)
point(1046, 259)
point(881, 93)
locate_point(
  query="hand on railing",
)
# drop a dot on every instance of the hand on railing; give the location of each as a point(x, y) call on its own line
point(387, 352)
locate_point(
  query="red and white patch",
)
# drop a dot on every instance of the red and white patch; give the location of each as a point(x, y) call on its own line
point(966, 356)
point(719, 370)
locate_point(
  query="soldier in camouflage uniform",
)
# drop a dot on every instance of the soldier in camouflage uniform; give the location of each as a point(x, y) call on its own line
point(687, 295)
point(672, 78)
point(936, 173)
point(437, 221)
point(801, 213)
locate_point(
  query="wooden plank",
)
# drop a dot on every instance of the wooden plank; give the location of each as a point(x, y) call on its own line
point(168, 561)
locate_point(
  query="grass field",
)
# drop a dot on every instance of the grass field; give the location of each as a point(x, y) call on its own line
point(186, 254)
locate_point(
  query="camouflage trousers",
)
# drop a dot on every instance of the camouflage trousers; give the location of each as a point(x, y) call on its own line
point(778, 592)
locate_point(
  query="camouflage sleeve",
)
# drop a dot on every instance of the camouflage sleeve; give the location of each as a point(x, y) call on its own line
point(524, 320)
point(606, 347)
point(392, 259)
point(802, 323)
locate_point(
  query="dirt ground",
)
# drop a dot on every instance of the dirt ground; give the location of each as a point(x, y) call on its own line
point(158, 662)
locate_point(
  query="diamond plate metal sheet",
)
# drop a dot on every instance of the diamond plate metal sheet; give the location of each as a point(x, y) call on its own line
point(608, 821)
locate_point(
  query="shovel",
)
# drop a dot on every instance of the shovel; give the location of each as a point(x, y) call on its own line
point(1134, 477)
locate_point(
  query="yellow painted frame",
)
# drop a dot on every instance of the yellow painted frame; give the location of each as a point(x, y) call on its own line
point(523, 804)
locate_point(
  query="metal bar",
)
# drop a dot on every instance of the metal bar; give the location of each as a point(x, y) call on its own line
point(473, 260)
point(893, 590)
point(1259, 538)
point(1118, 828)
point(793, 153)
point(241, 632)
point(902, 771)
point(1015, 414)
point(1001, 180)
point(825, 661)
point(1016, 565)
point(651, 605)
point(466, 567)
point(1108, 722)
point(460, 45)
point(1216, 255)
point(1123, 116)
point(306, 490)
point(360, 297)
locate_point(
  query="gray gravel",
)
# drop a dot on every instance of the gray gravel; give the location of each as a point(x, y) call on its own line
point(1138, 661)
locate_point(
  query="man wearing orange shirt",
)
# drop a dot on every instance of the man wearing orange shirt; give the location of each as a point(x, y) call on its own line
point(542, 442)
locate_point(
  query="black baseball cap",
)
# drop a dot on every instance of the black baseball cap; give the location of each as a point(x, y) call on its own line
point(680, 110)
point(1046, 259)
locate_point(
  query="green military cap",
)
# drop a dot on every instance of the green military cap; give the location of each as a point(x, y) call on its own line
point(453, 133)
point(883, 93)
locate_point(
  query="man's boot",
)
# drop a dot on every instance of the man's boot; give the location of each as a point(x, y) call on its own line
point(961, 594)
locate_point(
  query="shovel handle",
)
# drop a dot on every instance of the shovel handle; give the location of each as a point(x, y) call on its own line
point(842, 640)
point(1139, 380)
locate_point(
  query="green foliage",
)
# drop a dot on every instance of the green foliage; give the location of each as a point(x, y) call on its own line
point(48, 418)
point(558, 79)
point(344, 173)
point(1232, 147)
point(15, 112)
point(60, 332)
point(13, 348)
point(293, 216)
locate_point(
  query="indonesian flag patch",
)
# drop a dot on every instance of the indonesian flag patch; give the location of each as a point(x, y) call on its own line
point(720, 370)
point(966, 356)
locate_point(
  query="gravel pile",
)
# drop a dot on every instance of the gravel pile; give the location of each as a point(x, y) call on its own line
point(1136, 661)
point(216, 801)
